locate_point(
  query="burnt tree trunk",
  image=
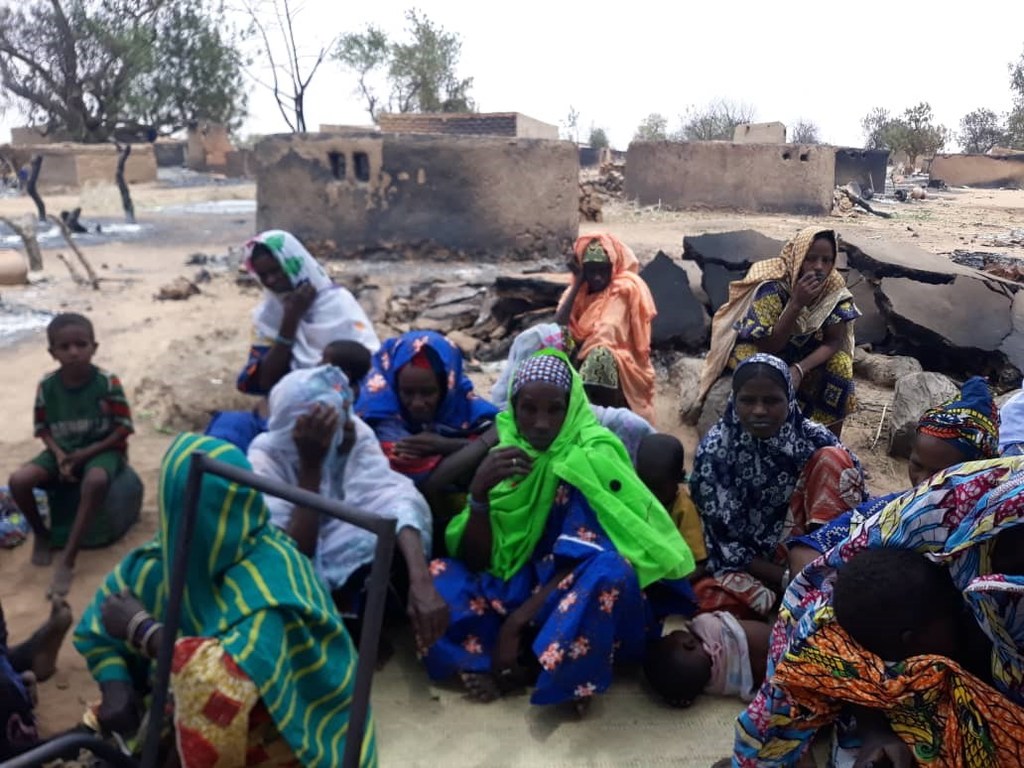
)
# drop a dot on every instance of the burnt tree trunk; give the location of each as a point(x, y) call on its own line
point(27, 233)
point(122, 185)
point(33, 192)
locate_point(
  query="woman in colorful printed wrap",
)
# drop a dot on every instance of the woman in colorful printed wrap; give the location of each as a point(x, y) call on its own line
point(609, 307)
point(420, 403)
point(249, 592)
point(965, 428)
point(970, 519)
point(798, 308)
point(1011, 429)
point(301, 313)
point(555, 552)
point(306, 446)
point(763, 474)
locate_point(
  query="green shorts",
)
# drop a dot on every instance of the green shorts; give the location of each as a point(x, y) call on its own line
point(110, 462)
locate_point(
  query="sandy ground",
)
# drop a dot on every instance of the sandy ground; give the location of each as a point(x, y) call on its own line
point(178, 361)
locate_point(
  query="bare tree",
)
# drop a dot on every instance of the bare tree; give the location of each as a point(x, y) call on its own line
point(291, 70)
point(805, 132)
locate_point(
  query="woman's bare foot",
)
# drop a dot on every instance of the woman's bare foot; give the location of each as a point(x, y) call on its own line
point(61, 584)
point(42, 553)
point(481, 687)
point(46, 641)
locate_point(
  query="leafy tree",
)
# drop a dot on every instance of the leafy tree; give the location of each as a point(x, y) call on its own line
point(715, 122)
point(420, 72)
point(913, 133)
point(598, 138)
point(654, 127)
point(86, 68)
point(980, 130)
point(1015, 120)
point(805, 132)
point(571, 125)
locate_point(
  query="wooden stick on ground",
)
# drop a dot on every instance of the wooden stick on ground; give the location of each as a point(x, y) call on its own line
point(93, 279)
point(881, 423)
point(28, 237)
point(75, 274)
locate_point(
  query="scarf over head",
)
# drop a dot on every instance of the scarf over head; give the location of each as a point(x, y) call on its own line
point(742, 484)
point(543, 336)
point(248, 586)
point(460, 411)
point(969, 421)
point(785, 269)
point(591, 459)
point(619, 318)
point(335, 315)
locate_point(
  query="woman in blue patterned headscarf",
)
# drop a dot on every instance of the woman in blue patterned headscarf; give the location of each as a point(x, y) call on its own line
point(763, 473)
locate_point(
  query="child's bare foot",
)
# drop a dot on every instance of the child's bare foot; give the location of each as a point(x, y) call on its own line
point(481, 687)
point(46, 640)
point(61, 584)
point(42, 553)
point(28, 679)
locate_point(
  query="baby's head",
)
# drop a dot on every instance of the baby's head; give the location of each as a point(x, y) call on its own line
point(352, 358)
point(659, 464)
point(897, 603)
point(678, 667)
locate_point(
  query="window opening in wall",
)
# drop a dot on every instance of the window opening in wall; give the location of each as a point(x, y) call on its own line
point(805, 156)
point(337, 164)
point(361, 164)
point(786, 156)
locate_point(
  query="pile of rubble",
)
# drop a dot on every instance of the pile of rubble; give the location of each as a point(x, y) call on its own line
point(591, 202)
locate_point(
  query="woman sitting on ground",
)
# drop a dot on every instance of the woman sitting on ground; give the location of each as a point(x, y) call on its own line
point(301, 313)
point(966, 428)
point(764, 474)
point(967, 519)
point(609, 307)
point(420, 404)
point(307, 445)
point(798, 308)
point(249, 593)
point(1011, 428)
point(552, 558)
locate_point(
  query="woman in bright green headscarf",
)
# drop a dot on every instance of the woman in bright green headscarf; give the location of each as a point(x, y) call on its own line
point(263, 671)
point(553, 557)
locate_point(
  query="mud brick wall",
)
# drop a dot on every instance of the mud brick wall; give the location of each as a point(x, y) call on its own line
point(486, 197)
point(70, 166)
point(979, 170)
point(787, 178)
point(510, 124)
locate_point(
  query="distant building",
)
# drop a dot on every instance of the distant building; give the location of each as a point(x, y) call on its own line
point(511, 124)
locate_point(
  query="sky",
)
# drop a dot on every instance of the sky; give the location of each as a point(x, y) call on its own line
point(615, 64)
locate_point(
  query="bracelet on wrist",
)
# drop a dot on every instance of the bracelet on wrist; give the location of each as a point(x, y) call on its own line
point(148, 635)
point(134, 624)
point(479, 506)
point(284, 341)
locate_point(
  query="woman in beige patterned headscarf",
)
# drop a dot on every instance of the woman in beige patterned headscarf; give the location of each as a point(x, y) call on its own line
point(798, 308)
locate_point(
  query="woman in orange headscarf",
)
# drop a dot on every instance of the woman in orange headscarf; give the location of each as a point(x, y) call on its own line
point(609, 310)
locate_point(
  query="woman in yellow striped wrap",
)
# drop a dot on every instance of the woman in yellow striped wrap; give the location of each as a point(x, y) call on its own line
point(263, 669)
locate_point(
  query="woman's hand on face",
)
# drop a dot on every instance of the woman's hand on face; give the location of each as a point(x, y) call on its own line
point(428, 613)
point(117, 612)
point(807, 289)
point(297, 302)
point(499, 465)
point(314, 434)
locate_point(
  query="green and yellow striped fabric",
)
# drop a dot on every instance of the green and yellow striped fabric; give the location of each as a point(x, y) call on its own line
point(248, 586)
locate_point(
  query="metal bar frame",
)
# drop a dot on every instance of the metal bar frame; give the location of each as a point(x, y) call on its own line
point(373, 615)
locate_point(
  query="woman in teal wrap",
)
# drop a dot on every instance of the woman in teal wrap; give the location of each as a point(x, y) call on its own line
point(555, 557)
point(263, 669)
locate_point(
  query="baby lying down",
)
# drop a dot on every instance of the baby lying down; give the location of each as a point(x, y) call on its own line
point(716, 654)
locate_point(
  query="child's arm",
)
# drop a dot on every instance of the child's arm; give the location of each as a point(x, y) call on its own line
point(41, 427)
point(111, 442)
point(759, 635)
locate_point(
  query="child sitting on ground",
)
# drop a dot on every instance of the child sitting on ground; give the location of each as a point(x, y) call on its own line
point(659, 464)
point(83, 419)
point(716, 654)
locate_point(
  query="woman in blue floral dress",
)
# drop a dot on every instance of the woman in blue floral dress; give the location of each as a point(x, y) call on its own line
point(563, 561)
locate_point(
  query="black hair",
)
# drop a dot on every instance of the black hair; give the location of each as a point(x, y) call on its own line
point(68, 320)
point(752, 371)
point(660, 453)
point(262, 250)
point(830, 236)
point(672, 672)
point(880, 594)
point(351, 357)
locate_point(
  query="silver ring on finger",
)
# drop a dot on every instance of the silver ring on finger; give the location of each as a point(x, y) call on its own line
point(515, 463)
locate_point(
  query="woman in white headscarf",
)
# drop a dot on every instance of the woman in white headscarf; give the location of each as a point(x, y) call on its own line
point(301, 313)
point(307, 445)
